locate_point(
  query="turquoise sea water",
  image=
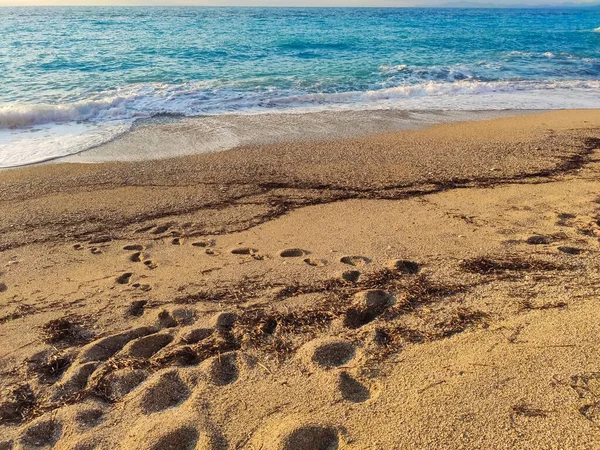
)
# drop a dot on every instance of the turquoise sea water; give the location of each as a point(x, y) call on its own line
point(74, 77)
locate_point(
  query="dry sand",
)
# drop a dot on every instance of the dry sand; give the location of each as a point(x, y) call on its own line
point(434, 288)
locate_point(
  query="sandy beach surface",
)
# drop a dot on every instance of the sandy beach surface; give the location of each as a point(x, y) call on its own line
point(432, 289)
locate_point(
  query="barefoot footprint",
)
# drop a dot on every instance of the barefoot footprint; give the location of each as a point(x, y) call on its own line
point(134, 248)
point(292, 253)
point(124, 278)
point(355, 260)
point(315, 262)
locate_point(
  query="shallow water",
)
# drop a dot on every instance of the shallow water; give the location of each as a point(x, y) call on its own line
point(72, 78)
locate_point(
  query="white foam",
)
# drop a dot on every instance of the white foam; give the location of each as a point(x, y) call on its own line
point(51, 141)
point(34, 133)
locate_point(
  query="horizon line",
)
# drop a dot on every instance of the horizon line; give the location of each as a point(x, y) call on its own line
point(441, 6)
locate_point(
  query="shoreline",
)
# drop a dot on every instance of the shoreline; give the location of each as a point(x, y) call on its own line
point(163, 137)
point(298, 295)
point(186, 136)
point(364, 166)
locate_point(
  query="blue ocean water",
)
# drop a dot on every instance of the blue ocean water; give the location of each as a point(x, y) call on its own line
point(74, 77)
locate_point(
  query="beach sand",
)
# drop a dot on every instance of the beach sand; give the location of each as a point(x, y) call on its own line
point(433, 288)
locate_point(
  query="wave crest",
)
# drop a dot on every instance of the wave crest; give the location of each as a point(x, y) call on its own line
point(23, 115)
point(192, 100)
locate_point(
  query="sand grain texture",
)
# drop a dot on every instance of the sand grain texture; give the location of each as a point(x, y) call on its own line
point(435, 288)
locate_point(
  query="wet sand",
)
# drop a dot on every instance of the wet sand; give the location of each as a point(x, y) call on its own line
point(431, 288)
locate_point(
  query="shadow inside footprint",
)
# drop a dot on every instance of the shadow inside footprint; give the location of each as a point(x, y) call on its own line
point(184, 437)
point(134, 248)
point(570, 250)
point(311, 438)
point(244, 251)
point(358, 317)
point(136, 308)
point(165, 392)
point(538, 239)
point(224, 370)
point(352, 390)
point(351, 276)
point(44, 433)
point(150, 264)
point(197, 335)
point(404, 266)
point(369, 305)
point(160, 229)
point(333, 354)
point(89, 418)
point(147, 346)
point(292, 253)
point(136, 257)
point(115, 385)
point(124, 279)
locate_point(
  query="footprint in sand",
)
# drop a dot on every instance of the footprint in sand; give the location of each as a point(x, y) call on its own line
point(351, 389)
point(223, 369)
point(246, 251)
point(327, 353)
point(78, 247)
point(3, 287)
point(404, 266)
point(355, 260)
point(564, 219)
point(313, 437)
point(179, 437)
point(177, 241)
point(142, 287)
point(161, 229)
point(118, 383)
point(243, 251)
point(165, 390)
point(134, 248)
point(136, 308)
point(146, 346)
point(203, 244)
point(101, 240)
point(194, 336)
point(367, 306)
point(150, 264)
point(106, 347)
point(292, 253)
point(538, 239)
point(136, 257)
point(315, 262)
point(42, 433)
point(89, 417)
point(144, 229)
point(173, 430)
point(570, 250)
point(350, 276)
point(296, 433)
point(124, 278)
point(74, 380)
point(95, 251)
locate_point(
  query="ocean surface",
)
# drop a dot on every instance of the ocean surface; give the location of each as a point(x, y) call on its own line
point(72, 78)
